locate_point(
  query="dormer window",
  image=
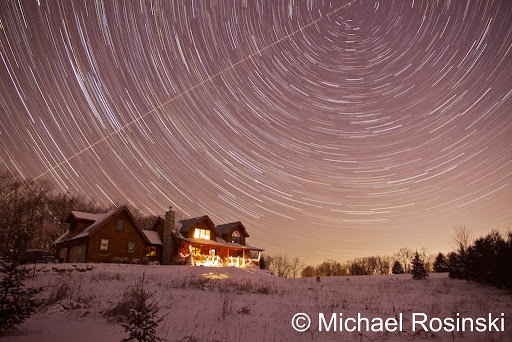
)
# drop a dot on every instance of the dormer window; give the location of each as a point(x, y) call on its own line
point(202, 234)
point(235, 237)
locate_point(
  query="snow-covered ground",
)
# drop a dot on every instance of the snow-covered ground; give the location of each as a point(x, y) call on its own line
point(230, 304)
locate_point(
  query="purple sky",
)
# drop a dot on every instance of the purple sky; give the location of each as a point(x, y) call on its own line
point(330, 131)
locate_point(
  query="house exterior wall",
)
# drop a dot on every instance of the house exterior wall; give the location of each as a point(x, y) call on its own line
point(63, 249)
point(228, 236)
point(201, 225)
point(158, 256)
point(117, 241)
point(159, 228)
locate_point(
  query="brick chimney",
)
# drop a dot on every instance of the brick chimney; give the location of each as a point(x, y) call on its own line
point(169, 240)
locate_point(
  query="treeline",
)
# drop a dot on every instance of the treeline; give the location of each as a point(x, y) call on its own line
point(283, 266)
point(487, 260)
point(400, 262)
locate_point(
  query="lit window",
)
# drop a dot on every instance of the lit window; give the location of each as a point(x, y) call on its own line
point(202, 234)
point(235, 237)
point(212, 252)
point(131, 247)
point(120, 225)
point(150, 251)
point(104, 245)
point(196, 250)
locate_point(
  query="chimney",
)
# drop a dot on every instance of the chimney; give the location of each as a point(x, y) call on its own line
point(169, 240)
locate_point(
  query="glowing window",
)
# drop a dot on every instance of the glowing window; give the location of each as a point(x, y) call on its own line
point(196, 250)
point(212, 252)
point(131, 247)
point(104, 245)
point(150, 251)
point(235, 237)
point(202, 234)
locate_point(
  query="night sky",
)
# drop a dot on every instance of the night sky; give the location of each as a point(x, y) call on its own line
point(331, 130)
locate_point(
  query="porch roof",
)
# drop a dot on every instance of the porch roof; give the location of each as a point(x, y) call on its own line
point(219, 243)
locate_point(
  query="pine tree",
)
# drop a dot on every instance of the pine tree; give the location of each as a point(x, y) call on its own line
point(397, 268)
point(142, 319)
point(16, 301)
point(20, 209)
point(441, 263)
point(418, 268)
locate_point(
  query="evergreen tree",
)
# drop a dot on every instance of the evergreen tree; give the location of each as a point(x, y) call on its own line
point(453, 269)
point(397, 268)
point(441, 263)
point(418, 268)
point(16, 301)
point(20, 214)
point(142, 319)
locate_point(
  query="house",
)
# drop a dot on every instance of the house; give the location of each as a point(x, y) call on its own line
point(195, 241)
point(206, 244)
point(103, 237)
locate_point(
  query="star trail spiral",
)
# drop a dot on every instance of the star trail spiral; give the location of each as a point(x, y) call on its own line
point(331, 129)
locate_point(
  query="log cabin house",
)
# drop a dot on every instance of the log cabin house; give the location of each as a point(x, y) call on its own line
point(115, 235)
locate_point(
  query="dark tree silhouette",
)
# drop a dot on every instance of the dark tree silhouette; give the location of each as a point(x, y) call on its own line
point(418, 268)
point(397, 268)
point(441, 264)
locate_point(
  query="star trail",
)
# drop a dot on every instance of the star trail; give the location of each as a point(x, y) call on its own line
point(331, 129)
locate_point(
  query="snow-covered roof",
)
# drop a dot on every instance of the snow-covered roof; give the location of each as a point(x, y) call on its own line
point(61, 238)
point(100, 218)
point(96, 221)
point(226, 227)
point(185, 225)
point(80, 215)
point(153, 237)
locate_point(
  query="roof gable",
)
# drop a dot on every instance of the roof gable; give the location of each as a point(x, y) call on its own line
point(157, 222)
point(100, 221)
point(187, 224)
point(229, 227)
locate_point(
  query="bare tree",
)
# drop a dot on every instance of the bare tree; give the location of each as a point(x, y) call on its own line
point(308, 271)
point(280, 265)
point(405, 255)
point(461, 237)
point(329, 268)
point(296, 267)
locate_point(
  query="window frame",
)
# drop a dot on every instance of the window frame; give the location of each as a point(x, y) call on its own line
point(104, 245)
point(239, 237)
point(120, 222)
point(150, 251)
point(200, 233)
point(129, 250)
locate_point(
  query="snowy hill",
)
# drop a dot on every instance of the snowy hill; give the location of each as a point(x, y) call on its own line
point(231, 304)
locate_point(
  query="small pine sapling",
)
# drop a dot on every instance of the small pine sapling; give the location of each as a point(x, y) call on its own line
point(142, 320)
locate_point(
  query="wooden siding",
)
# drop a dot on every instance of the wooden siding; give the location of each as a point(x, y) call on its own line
point(228, 236)
point(117, 241)
point(159, 228)
point(202, 225)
